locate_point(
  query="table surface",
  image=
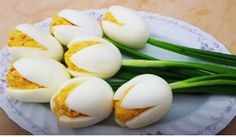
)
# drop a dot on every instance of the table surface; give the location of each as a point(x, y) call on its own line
point(216, 17)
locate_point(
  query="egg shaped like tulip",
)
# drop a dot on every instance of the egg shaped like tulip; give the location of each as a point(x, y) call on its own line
point(92, 56)
point(68, 24)
point(29, 41)
point(35, 79)
point(126, 27)
point(142, 101)
point(82, 102)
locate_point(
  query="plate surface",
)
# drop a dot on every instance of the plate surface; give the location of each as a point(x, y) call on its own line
point(198, 114)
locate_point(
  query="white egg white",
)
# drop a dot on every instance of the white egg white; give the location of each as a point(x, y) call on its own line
point(146, 91)
point(54, 48)
point(87, 38)
point(93, 97)
point(41, 95)
point(83, 25)
point(134, 32)
point(102, 60)
point(42, 71)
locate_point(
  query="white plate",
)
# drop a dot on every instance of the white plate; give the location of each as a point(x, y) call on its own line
point(189, 114)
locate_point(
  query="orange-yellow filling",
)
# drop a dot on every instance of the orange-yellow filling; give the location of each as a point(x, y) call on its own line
point(15, 80)
point(19, 39)
point(75, 48)
point(123, 114)
point(109, 17)
point(60, 108)
point(57, 20)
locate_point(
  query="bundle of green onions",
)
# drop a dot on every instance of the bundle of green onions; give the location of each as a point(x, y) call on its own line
point(199, 78)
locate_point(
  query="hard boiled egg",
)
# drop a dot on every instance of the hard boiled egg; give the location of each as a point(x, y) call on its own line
point(35, 79)
point(94, 56)
point(29, 41)
point(142, 101)
point(126, 27)
point(82, 102)
point(68, 24)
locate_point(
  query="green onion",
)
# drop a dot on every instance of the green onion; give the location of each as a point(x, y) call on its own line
point(139, 55)
point(212, 89)
point(131, 52)
point(214, 84)
point(215, 57)
point(116, 83)
point(199, 77)
point(125, 75)
point(174, 64)
point(179, 73)
point(163, 73)
point(219, 79)
point(211, 84)
point(190, 72)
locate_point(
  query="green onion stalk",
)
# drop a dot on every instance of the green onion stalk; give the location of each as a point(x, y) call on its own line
point(130, 52)
point(166, 72)
point(184, 77)
point(213, 84)
point(210, 56)
point(221, 81)
point(162, 72)
point(174, 64)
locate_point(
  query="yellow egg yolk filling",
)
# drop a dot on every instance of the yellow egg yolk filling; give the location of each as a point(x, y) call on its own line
point(75, 48)
point(110, 18)
point(19, 39)
point(60, 108)
point(15, 80)
point(123, 114)
point(57, 20)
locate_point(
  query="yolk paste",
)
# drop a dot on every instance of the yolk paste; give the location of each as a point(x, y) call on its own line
point(75, 48)
point(19, 39)
point(123, 114)
point(15, 80)
point(109, 17)
point(57, 20)
point(60, 108)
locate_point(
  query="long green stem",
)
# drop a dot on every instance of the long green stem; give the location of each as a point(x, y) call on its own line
point(219, 79)
point(212, 84)
point(190, 72)
point(211, 77)
point(196, 53)
point(203, 83)
point(139, 55)
point(116, 83)
point(213, 89)
point(133, 53)
point(159, 72)
point(180, 73)
point(174, 64)
point(124, 75)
